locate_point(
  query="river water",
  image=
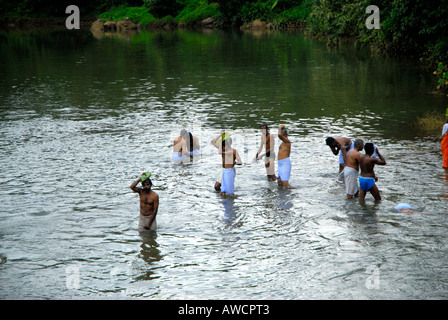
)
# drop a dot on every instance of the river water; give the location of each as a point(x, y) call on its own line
point(81, 117)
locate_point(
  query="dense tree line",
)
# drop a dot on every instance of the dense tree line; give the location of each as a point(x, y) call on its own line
point(408, 27)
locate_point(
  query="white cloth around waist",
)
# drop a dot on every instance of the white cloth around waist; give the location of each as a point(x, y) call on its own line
point(284, 169)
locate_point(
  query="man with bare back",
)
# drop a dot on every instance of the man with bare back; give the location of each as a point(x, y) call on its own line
point(351, 169)
point(230, 158)
point(367, 178)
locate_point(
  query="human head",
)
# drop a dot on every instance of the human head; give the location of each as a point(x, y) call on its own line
point(369, 148)
point(183, 133)
point(227, 142)
point(147, 183)
point(284, 132)
point(359, 144)
point(264, 126)
point(330, 141)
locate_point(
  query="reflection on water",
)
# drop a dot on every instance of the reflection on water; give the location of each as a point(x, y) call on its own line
point(82, 118)
point(150, 254)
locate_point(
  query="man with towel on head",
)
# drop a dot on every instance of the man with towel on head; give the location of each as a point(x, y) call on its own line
point(149, 203)
point(230, 158)
point(284, 162)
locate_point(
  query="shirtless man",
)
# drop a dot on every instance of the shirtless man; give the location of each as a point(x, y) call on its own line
point(268, 142)
point(284, 162)
point(230, 158)
point(180, 148)
point(351, 169)
point(191, 143)
point(149, 203)
point(367, 178)
point(341, 144)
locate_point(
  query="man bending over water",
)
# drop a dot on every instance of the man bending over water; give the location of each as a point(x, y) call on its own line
point(367, 178)
point(149, 203)
point(340, 145)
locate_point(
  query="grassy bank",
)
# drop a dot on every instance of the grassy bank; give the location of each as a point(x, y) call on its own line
point(191, 14)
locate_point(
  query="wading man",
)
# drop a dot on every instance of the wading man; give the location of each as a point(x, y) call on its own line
point(149, 203)
point(268, 142)
point(351, 169)
point(284, 162)
point(230, 158)
point(367, 177)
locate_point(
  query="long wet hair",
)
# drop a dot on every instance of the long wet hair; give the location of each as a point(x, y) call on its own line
point(189, 137)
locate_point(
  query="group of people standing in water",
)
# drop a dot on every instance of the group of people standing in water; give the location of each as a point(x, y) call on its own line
point(356, 167)
point(186, 147)
point(351, 161)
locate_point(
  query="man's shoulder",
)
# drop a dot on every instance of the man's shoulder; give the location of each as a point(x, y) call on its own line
point(154, 194)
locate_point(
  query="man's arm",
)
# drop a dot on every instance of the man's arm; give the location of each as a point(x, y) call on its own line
point(153, 216)
point(183, 143)
point(214, 142)
point(260, 148)
point(381, 161)
point(197, 142)
point(134, 186)
point(237, 158)
point(335, 150)
point(281, 136)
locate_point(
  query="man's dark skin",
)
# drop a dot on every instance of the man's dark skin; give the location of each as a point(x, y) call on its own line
point(341, 144)
point(367, 163)
point(149, 200)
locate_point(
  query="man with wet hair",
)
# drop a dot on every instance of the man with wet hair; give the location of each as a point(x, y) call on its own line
point(340, 145)
point(367, 177)
point(351, 169)
point(149, 203)
point(268, 142)
point(191, 143)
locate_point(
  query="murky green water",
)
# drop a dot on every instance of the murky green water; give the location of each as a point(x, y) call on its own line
point(81, 118)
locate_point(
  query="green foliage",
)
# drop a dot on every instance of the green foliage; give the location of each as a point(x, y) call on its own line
point(297, 13)
point(442, 76)
point(230, 10)
point(339, 18)
point(136, 14)
point(162, 8)
point(257, 10)
point(197, 10)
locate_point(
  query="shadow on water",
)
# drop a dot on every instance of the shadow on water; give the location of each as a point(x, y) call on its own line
point(149, 254)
